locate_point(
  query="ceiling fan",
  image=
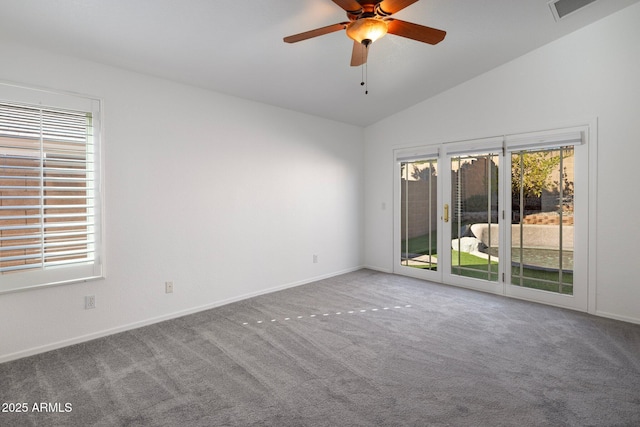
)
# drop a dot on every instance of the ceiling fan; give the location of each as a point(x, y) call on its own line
point(369, 20)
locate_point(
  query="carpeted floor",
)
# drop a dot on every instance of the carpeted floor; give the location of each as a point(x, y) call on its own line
point(361, 349)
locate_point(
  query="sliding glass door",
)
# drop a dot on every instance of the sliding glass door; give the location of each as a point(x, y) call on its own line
point(502, 215)
point(474, 212)
point(419, 221)
point(547, 231)
point(472, 206)
point(542, 207)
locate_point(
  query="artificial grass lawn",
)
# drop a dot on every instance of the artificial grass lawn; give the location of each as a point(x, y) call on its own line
point(468, 265)
point(421, 244)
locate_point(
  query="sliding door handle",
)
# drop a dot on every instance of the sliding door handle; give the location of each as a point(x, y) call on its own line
point(446, 213)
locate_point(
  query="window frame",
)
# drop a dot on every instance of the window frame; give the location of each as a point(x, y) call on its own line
point(59, 275)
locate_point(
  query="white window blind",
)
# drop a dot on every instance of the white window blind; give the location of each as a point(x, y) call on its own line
point(557, 138)
point(475, 146)
point(49, 198)
point(415, 153)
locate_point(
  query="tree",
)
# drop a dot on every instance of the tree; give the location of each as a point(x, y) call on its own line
point(425, 173)
point(531, 171)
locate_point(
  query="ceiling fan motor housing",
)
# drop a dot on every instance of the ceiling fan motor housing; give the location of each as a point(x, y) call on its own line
point(370, 9)
point(367, 30)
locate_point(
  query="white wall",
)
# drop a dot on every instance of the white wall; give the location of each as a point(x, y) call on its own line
point(592, 73)
point(226, 197)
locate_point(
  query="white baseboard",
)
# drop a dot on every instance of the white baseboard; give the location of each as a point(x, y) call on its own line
point(617, 317)
point(135, 325)
point(382, 270)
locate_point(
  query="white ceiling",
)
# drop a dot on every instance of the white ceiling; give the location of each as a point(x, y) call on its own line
point(236, 47)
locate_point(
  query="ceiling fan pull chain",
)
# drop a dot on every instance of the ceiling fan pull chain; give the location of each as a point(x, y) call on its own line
point(366, 79)
point(364, 69)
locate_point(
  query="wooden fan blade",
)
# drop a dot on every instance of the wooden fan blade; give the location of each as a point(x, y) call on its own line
point(389, 7)
point(415, 31)
point(315, 33)
point(350, 6)
point(359, 54)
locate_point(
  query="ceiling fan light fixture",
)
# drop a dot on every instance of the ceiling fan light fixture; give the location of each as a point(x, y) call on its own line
point(367, 30)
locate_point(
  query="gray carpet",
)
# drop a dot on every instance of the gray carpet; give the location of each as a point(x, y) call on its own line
point(361, 349)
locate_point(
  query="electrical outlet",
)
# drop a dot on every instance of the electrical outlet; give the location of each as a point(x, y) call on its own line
point(168, 287)
point(315, 259)
point(89, 302)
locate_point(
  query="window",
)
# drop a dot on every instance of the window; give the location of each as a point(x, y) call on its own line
point(542, 187)
point(50, 203)
point(419, 214)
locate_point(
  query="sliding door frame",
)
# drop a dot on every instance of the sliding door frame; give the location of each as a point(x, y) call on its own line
point(578, 138)
point(450, 151)
point(407, 155)
point(585, 199)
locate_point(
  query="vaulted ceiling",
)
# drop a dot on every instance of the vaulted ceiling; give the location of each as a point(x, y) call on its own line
point(236, 47)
